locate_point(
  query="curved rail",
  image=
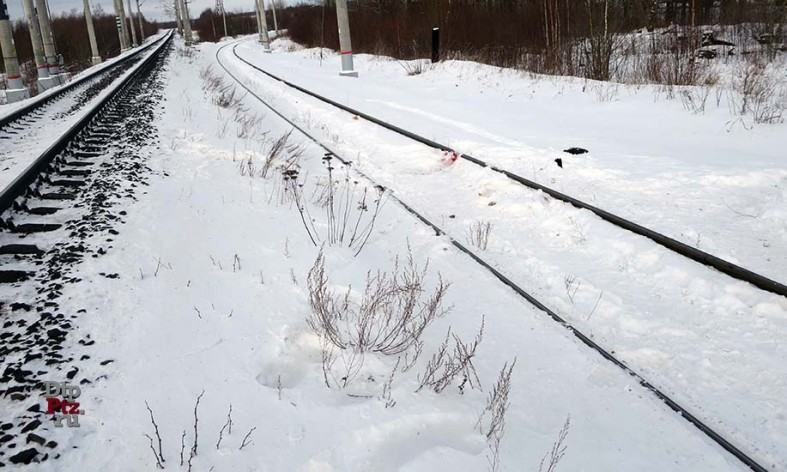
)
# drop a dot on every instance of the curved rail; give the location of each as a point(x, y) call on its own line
point(697, 255)
point(715, 436)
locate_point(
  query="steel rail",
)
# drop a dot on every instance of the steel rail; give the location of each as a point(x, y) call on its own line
point(733, 270)
point(20, 184)
point(701, 425)
point(37, 103)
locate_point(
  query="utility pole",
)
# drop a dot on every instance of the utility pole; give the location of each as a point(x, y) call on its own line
point(121, 20)
point(178, 18)
point(15, 89)
point(91, 33)
point(134, 42)
point(275, 23)
point(44, 81)
point(257, 16)
point(345, 46)
point(186, 20)
point(220, 8)
point(42, 9)
point(141, 25)
point(263, 24)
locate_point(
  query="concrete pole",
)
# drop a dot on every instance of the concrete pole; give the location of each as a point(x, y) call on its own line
point(178, 19)
point(345, 46)
point(15, 89)
point(48, 39)
point(134, 42)
point(264, 39)
point(125, 42)
point(91, 33)
point(257, 16)
point(224, 19)
point(141, 25)
point(275, 23)
point(38, 45)
point(184, 8)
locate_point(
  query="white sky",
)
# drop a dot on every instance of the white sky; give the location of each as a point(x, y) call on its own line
point(152, 9)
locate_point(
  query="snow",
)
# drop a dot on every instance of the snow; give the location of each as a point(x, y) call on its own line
point(647, 152)
point(659, 313)
point(21, 149)
point(8, 108)
point(212, 291)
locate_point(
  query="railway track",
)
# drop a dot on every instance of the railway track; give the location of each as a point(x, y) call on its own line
point(26, 132)
point(66, 208)
point(730, 269)
point(690, 252)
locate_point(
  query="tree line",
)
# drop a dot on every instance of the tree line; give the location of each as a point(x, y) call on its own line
point(577, 37)
point(71, 40)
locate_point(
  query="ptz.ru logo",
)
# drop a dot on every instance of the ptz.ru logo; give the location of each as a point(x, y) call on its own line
point(60, 403)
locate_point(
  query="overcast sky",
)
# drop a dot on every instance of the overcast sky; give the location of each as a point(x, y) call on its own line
point(152, 9)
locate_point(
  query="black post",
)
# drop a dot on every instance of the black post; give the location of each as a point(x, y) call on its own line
point(435, 45)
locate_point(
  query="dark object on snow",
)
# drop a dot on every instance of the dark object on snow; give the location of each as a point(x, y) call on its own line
point(435, 45)
point(31, 426)
point(575, 151)
point(765, 39)
point(24, 457)
point(559, 162)
point(33, 437)
point(709, 40)
point(707, 53)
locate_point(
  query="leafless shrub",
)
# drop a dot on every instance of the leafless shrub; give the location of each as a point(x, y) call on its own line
point(185, 52)
point(247, 439)
point(281, 156)
point(448, 364)
point(346, 371)
point(274, 153)
point(196, 429)
point(226, 97)
point(478, 234)
point(210, 80)
point(182, 446)
point(248, 125)
point(416, 67)
point(572, 285)
point(552, 458)
point(386, 396)
point(390, 316)
point(227, 426)
point(156, 455)
point(694, 99)
point(761, 95)
point(350, 212)
point(491, 423)
point(222, 128)
point(159, 454)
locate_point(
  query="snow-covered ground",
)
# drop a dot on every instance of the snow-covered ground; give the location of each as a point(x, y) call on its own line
point(21, 148)
point(704, 179)
point(8, 108)
point(211, 291)
point(678, 322)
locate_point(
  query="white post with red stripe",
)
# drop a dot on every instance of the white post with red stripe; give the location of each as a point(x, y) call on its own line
point(15, 89)
point(263, 24)
point(91, 34)
point(38, 45)
point(345, 46)
point(42, 11)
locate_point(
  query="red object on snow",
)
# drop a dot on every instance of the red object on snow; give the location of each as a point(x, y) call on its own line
point(451, 156)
